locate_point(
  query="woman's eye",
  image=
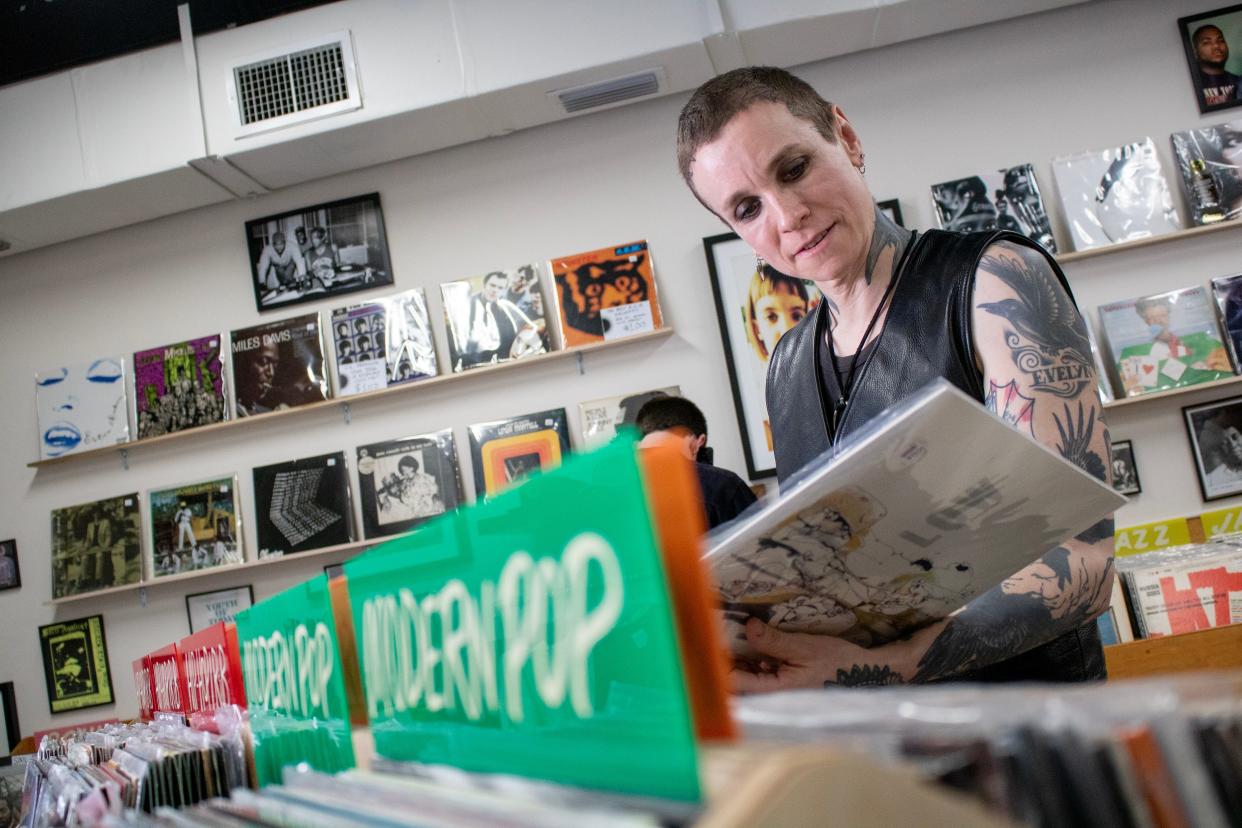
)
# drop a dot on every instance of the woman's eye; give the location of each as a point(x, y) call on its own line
point(795, 170)
point(746, 209)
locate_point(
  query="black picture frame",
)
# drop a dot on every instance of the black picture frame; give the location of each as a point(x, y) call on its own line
point(189, 610)
point(357, 247)
point(55, 640)
point(8, 552)
point(892, 208)
point(1228, 21)
point(1216, 451)
point(1125, 475)
point(12, 730)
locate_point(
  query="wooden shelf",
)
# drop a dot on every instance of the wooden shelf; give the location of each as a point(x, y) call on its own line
point(1227, 382)
point(1219, 648)
point(1193, 232)
point(343, 402)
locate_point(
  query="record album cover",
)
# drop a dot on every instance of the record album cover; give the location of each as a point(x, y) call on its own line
point(278, 365)
point(601, 418)
point(179, 386)
point(1007, 199)
point(505, 451)
point(1186, 589)
point(606, 294)
point(302, 504)
point(383, 343)
point(405, 482)
point(1227, 290)
point(81, 407)
point(1164, 341)
point(75, 664)
point(195, 526)
point(96, 546)
point(1209, 163)
point(1114, 195)
point(495, 317)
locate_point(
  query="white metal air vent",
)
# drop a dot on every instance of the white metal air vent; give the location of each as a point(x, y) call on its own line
point(610, 92)
point(295, 85)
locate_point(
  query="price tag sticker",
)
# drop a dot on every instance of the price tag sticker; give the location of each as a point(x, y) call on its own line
point(1147, 537)
point(626, 320)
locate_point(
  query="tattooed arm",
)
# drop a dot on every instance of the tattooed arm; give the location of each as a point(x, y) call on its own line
point(1036, 360)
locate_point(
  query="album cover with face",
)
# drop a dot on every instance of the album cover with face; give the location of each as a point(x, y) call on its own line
point(195, 526)
point(495, 317)
point(503, 452)
point(1004, 199)
point(601, 418)
point(302, 504)
point(179, 386)
point(1115, 195)
point(81, 407)
point(1209, 164)
point(1164, 341)
point(278, 365)
point(403, 483)
point(606, 294)
point(96, 546)
point(383, 343)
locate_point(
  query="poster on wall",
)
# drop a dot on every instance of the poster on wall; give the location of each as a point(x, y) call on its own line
point(207, 608)
point(495, 317)
point(311, 253)
point(10, 573)
point(1212, 40)
point(75, 664)
point(1215, 431)
point(179, 386)
point(754, 311)
point(81, 406)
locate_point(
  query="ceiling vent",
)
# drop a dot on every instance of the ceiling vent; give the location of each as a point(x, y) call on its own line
point(295, 85)
point(610, 92)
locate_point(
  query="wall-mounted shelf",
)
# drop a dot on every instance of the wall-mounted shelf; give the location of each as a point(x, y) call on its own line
point(1206, 230)
point(1219, 648)
point(1174, 392)
point(345, 402)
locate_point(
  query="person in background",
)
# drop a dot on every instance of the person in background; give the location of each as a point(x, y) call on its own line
point(283, 261)
point(725, 495)
point(1212, 53)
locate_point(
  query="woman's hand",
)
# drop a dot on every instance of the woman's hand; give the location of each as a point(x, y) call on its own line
point(805, 660)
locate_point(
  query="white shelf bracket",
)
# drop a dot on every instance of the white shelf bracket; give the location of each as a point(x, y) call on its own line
point(581, 364)
point(125, 459)
point(142, 597)
point(349, 417)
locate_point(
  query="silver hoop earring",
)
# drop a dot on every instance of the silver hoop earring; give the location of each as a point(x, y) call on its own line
point(862, 163)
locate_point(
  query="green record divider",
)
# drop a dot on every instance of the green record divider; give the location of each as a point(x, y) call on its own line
point(532, 635)
point(295, 688)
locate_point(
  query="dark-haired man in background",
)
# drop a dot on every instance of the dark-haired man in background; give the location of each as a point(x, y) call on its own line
point(1212, 53)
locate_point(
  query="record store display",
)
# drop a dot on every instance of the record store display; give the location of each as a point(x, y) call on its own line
point(75, 664)
point(495, 317)
point(606, 294)
point(1164, 341)
point(1007, 199)
point(1184, 589)
point(505, 451)
point(81, 407)
point(383, 343)
point(195, 527)
point(1209, 161)
point(1227, 290)
point(96, 546)
point(278, 365)
point(179, 386)
point(1114, 195)
point(302, 504)
point(405, 482)
point(601, 418)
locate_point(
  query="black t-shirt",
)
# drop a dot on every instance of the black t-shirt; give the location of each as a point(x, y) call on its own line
point(835, 371)
point(725, 495)
point(1218, 89)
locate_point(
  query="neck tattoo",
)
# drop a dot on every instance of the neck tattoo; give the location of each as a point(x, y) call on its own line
point(887, 237)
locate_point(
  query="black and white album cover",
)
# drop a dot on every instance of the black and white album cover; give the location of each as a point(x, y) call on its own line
point(315, 252)
point(96, 546)
point(1007, 199)
point(495, 318)
point(1125, 470)
point(383, 343)
point(405, 482)
point(1209, 163)
point(278, 365)
point(302, 504)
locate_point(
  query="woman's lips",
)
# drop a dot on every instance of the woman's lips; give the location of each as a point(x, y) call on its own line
point(814, 246)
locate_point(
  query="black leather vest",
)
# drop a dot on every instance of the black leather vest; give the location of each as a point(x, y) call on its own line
point(926, 335)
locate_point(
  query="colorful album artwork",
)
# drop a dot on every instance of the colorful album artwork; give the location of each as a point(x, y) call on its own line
point(302, 504)
point(503, 452)
point(403, 483)
point(81, 407)
point(195, 527)
point(495, 317)
point(75, 664)
point(179, 386)
point(383, 343)
point(606, 294)
point(601, 418)
point(278, 365)
point(96, 546)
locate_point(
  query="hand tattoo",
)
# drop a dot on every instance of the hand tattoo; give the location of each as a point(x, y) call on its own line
point(866, 675)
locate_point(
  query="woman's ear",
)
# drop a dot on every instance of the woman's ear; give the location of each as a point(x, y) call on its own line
point(850, 142)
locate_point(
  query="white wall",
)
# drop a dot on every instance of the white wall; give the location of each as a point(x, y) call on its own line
point(928, 111)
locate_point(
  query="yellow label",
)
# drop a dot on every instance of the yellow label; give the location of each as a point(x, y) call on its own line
point(1134, 540)
point(1222, 521)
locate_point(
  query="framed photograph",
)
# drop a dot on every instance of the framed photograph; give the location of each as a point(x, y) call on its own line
point(314, 252)
point(1213, 70)
point(75, 664)
point(1125, 470)
point(754, 311)
point(207, 608)
point(1215, 431)
point(10, 574)
point(892, 209)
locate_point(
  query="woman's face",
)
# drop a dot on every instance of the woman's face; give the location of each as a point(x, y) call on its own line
point(796, 199)
point(775, 314)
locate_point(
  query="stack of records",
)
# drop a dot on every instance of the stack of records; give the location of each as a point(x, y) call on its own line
point(302, 504)
point(1007, 199)
point(195, 527)
point(81, 407)
point(96, 546)
point(495, 318)
point(383, 343)
point(405, 482)
point(505, 451)
point(601, 418)
point(1184, 589)
point(179, 386)
point(278, 365)
point(606, 294)
point(1210, 162)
